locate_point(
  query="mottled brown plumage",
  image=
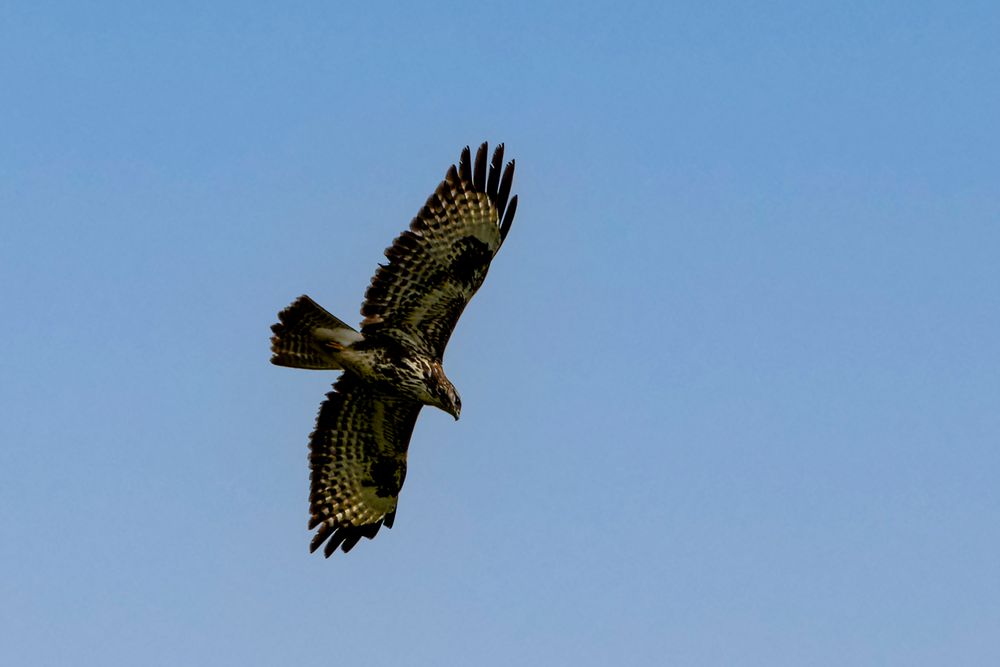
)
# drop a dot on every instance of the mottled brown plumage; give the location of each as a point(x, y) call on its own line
point(393, 366)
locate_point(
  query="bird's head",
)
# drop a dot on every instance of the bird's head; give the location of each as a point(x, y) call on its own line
point(442, 392)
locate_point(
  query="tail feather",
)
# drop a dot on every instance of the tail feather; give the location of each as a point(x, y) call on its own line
point(307, 336)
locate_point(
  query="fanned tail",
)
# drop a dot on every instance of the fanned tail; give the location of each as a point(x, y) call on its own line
point(307, 336)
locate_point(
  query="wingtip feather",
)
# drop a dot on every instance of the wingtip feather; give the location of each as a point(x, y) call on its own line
point(479, 172)
point(508, 218)
point(464, 164)
point(344, 537)
point(503, 192)
point(495, 164)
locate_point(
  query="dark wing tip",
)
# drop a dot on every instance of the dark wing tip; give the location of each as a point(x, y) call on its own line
point(482, 176)
point(325, 530)
point(335, 541)
point(503, 191)
point(508, 219)
point(496, 183)
point(349, 542)
point(464, 165)
point(479, 172)
point(494, 180)
point(344, 537)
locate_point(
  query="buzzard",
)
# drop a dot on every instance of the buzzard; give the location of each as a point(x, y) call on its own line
point(392, 366)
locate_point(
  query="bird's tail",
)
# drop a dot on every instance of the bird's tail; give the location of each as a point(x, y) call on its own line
point(306, 336)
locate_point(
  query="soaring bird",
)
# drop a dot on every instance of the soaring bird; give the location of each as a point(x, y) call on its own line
point(392, 367)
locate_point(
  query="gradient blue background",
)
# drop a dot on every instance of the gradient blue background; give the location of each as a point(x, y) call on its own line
point(731, 392)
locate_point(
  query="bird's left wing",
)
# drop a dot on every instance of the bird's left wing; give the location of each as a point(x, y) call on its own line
point(437, 265)
point(357, 459)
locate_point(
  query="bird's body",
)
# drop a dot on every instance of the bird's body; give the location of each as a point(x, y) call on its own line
point(393, 365)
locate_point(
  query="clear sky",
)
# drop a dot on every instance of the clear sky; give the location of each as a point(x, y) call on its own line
point(731, 391)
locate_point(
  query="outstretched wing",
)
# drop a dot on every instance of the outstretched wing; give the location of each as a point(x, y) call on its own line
point(357, 458)
point(437, 265)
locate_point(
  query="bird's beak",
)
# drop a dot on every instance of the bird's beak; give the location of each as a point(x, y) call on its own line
point(455, 412)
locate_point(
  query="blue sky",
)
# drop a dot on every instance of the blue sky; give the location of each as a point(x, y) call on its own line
point(730, 393)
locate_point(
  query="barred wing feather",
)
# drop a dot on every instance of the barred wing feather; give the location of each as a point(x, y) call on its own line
point(438, 264)
point(357, 461)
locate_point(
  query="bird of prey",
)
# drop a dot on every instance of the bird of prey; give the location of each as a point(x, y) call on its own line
point(392, 366)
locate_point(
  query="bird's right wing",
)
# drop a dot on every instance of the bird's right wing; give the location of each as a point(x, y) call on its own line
point(357, 459)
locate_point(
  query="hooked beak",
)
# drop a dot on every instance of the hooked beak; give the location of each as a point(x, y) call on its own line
point(455, 409)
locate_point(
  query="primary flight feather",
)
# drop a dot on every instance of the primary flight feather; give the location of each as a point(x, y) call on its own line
point(392, 367)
